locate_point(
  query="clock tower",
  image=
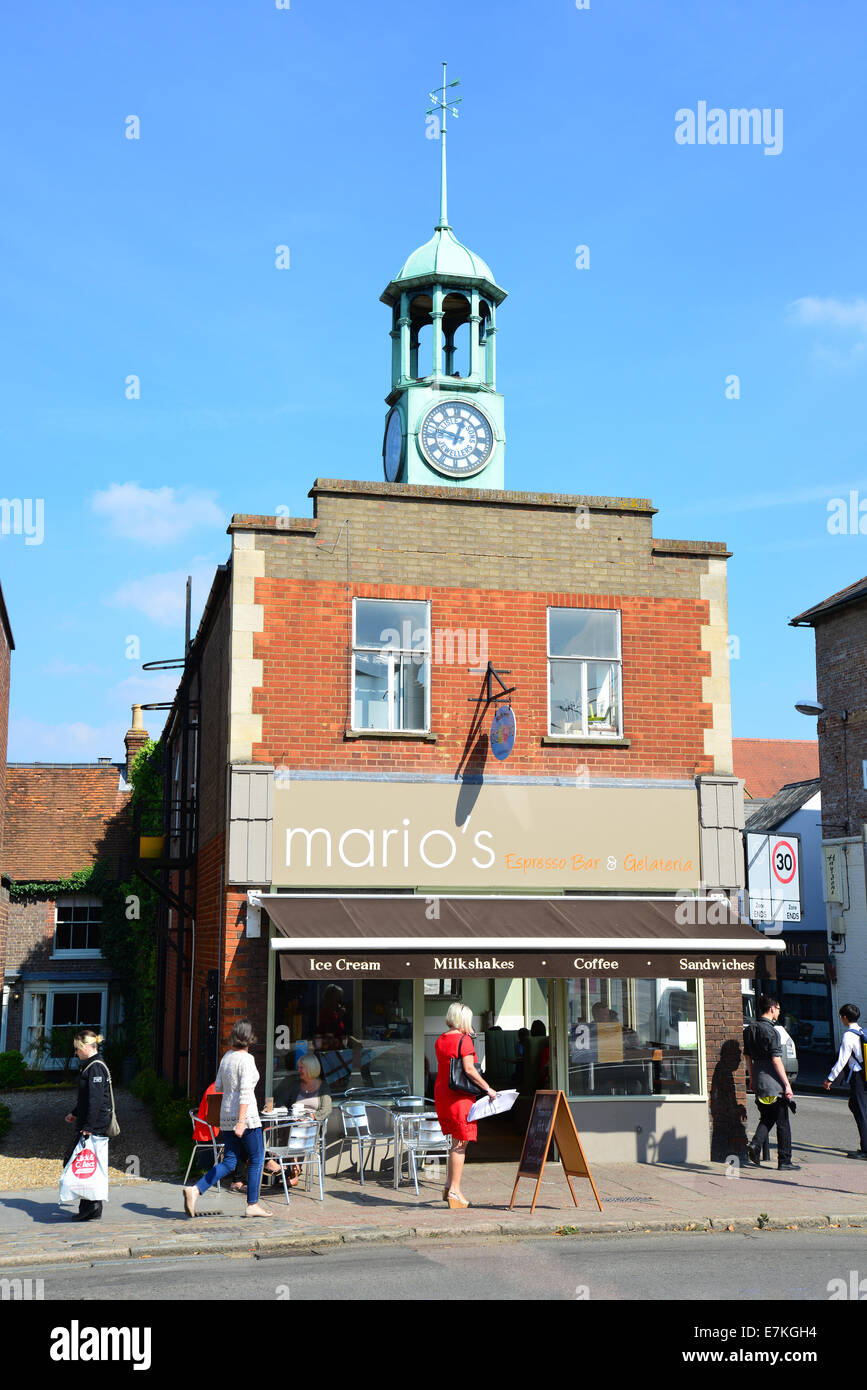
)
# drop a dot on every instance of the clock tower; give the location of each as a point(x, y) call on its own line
point(444, 426)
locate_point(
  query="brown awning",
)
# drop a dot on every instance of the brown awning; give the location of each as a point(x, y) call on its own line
point(431, 936)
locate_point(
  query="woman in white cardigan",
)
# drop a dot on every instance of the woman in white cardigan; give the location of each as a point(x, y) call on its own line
point(240, 1126)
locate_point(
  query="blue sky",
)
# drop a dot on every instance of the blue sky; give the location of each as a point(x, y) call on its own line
point(305, 127)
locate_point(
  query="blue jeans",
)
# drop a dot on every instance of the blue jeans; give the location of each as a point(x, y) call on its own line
point(251, 1146)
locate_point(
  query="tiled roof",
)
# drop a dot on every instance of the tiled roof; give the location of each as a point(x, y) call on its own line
point(767, 764)
point(60, 819)
point(767, 815)
point(855, 593)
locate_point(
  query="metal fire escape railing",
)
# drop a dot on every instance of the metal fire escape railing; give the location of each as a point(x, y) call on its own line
point(171, 873)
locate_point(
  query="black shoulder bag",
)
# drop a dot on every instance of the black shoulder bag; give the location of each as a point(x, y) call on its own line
point(458, 1079)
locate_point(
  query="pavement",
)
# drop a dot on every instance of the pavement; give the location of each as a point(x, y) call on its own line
point(145, 1219)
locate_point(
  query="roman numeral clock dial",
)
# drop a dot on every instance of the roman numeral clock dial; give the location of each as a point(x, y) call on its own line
point(456, 438)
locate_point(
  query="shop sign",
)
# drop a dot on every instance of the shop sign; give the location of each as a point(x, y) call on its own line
point(560, 965)
point(503, 732)
point(512, 837)
point(833, 873)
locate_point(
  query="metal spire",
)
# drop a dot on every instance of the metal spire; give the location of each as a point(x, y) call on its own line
point(442, 104)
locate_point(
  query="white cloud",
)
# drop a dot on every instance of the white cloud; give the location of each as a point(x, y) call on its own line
point(150, 687)
point(831, 313)
point(162, 597)
point(33, 741)
point(71, 668)
point(761, 501)
point(156, 516)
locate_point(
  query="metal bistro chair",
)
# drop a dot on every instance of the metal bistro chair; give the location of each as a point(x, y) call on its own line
point(420, 1139)
point(304, 1151)
point(356, 1130)
point(211, 1124)
point(403, 1107)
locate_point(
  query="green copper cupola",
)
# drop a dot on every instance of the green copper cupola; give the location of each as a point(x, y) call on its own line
point(445, 423)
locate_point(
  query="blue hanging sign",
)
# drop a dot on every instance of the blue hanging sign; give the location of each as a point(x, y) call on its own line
point(503, 731)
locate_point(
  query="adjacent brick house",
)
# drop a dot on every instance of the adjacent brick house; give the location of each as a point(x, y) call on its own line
point(7, 646)
point(61, 819)
point(840, 626)
point(327, 763)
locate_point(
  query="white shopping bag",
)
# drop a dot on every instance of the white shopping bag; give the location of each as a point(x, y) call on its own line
point(86, 1173)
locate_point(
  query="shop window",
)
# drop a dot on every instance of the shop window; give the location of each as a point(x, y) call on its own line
point(391, 665)
point(584, 673)
point(77, 925)
point(632, 1037)
point(360, 1031)
point(443, 989)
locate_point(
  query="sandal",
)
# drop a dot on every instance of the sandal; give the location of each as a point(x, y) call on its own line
point(457, 1203)
point(238, 1187)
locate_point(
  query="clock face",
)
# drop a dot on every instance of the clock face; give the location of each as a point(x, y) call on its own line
point(456, 438)
point(392, 449)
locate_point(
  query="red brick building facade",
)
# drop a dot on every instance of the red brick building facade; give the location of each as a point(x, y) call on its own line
point(60, 820)
point(7, 646)
point(287, 763)
point(840, 626)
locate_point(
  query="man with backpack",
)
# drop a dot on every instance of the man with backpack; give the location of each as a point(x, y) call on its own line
point(770, 1084)
point(853, 1049)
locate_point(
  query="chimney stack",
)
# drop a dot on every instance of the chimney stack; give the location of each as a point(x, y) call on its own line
point(135, 739)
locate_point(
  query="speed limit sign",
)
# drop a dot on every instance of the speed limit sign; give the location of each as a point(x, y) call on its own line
point(784, 860)
point(774, 879)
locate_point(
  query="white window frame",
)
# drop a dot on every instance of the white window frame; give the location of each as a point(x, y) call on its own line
point(366, 729)
point(61, 953)
point(600, 735)
point(51, 988)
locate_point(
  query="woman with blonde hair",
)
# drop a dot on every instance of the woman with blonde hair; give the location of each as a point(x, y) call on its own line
point(452, 1107)
point(94, 1108)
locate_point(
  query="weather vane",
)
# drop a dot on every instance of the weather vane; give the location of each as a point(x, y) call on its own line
point(442, 106)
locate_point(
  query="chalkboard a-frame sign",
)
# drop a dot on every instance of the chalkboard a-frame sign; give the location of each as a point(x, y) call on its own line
point(552, 1119)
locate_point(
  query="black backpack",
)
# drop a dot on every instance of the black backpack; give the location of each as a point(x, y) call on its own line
point(758, 1045)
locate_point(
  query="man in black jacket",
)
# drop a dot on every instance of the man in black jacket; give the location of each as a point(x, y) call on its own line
point(93, 1108)
point(770, 1084)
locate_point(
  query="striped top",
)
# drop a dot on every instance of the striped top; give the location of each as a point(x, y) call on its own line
point(237, 1078)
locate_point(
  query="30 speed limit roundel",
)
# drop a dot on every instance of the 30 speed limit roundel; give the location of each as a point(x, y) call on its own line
point(784, 861)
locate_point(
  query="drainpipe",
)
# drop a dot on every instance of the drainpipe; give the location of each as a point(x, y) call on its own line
point(192, 991)
point(4, 1010)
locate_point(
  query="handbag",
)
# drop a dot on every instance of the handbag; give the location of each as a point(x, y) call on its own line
point(458, 1079)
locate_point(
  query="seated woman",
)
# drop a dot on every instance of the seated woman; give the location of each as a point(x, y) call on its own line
point(311, 1090)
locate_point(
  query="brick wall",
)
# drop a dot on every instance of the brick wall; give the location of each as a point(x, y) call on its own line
point(841, 660)
point(30, 943)
point(214, 725)
point(5, 674)
point(305, 697)
point(727, 1098)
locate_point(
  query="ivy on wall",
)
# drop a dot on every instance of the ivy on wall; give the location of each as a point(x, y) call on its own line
point(129, 910)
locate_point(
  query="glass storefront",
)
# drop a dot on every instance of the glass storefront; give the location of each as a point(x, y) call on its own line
point(361, 1031)
point(632, 1037)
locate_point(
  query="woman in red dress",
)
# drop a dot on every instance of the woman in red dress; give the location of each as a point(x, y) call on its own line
point(452, 1107)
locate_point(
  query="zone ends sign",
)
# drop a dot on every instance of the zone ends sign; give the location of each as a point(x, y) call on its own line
point(774, 878)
